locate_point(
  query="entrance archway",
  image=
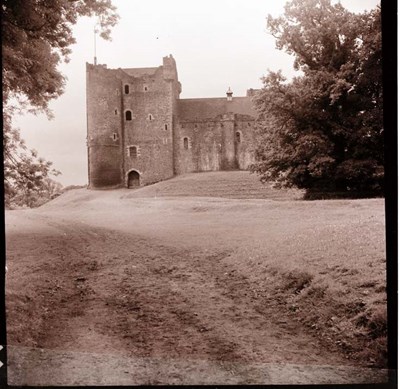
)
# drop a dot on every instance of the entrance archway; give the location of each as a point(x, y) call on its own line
point(133, 179)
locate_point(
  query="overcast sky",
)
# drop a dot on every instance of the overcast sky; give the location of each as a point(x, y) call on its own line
point(216, 44)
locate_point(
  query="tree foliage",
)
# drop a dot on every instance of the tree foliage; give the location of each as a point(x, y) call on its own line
point(36, 37)
point(323, 130)
point(26, 176)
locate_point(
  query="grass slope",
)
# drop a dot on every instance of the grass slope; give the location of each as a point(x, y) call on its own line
point(229, 184)
point(320, 263)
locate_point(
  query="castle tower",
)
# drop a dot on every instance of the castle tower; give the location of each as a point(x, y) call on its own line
point(131, 115)
point(104, 131)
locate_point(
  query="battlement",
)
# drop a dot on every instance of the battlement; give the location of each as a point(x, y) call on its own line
point(90, 66)
point(169, 68)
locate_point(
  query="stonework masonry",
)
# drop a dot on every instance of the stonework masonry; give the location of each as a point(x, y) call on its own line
point(140, 132)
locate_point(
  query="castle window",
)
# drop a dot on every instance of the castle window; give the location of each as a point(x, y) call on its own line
point(238, 136)
point(166, 127)
point(145, 88)
point(133, 151)
point(185, 143)
point(128, 115)
point(150, 117)
point(116, 112)
point(249, 124)
point(126, 89)
point(115, 136)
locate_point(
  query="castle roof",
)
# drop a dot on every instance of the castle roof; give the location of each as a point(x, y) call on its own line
point(208, 108)
point(140, 72)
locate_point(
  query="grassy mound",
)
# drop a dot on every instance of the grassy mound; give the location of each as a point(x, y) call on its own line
point(342, 309)
point(225, 184)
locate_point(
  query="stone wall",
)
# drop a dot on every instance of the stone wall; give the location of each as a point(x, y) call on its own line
point(141, 141)
point(213, 144)
point(140, 132)
point(105, 138)
point(244, 141)
point(150, 130)
point(203, 149)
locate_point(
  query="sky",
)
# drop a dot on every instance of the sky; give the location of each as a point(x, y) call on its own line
point(216, 44)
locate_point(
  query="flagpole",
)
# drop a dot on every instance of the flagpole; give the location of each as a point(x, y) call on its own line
point(95, 32)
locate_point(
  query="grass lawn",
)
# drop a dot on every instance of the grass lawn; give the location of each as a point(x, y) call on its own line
point(315, 265)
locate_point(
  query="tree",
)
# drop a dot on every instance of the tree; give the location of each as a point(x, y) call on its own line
point(323, 131)
point(36, 37)
point(24, 173)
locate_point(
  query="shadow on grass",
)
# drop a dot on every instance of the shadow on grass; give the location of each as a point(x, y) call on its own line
point(330, 195)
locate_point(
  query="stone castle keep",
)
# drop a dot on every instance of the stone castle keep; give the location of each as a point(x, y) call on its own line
point(140, 131)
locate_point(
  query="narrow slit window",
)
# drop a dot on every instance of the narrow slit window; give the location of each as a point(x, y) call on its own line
point(185, 143)
point(126, 89)
point(238, 136)
point(115, 136)
point(145, 88)
point(128, 115)
point(150, 117)
point(166, 127)
point(116, 112)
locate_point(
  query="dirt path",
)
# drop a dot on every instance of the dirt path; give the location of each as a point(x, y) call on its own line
point(120, 308)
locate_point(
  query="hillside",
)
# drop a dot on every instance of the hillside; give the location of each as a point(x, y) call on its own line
point(228, 185)
point(206, 278)
point(231, 185)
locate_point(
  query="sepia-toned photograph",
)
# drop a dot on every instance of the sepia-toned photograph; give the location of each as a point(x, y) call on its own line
point(194, 192)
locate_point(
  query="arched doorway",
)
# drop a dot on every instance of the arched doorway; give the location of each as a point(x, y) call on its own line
point(133, 179)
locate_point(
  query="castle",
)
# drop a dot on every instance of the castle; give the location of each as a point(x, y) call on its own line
point(140, 132)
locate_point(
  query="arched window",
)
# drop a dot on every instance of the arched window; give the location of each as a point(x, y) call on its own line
point(185, 143)
point(126, 89)
point(166, 127)
point(238, 136)
point(150, 117)
point(128, 115)
point(115, 136)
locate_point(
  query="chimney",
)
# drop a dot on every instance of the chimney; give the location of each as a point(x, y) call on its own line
point(229, 94)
